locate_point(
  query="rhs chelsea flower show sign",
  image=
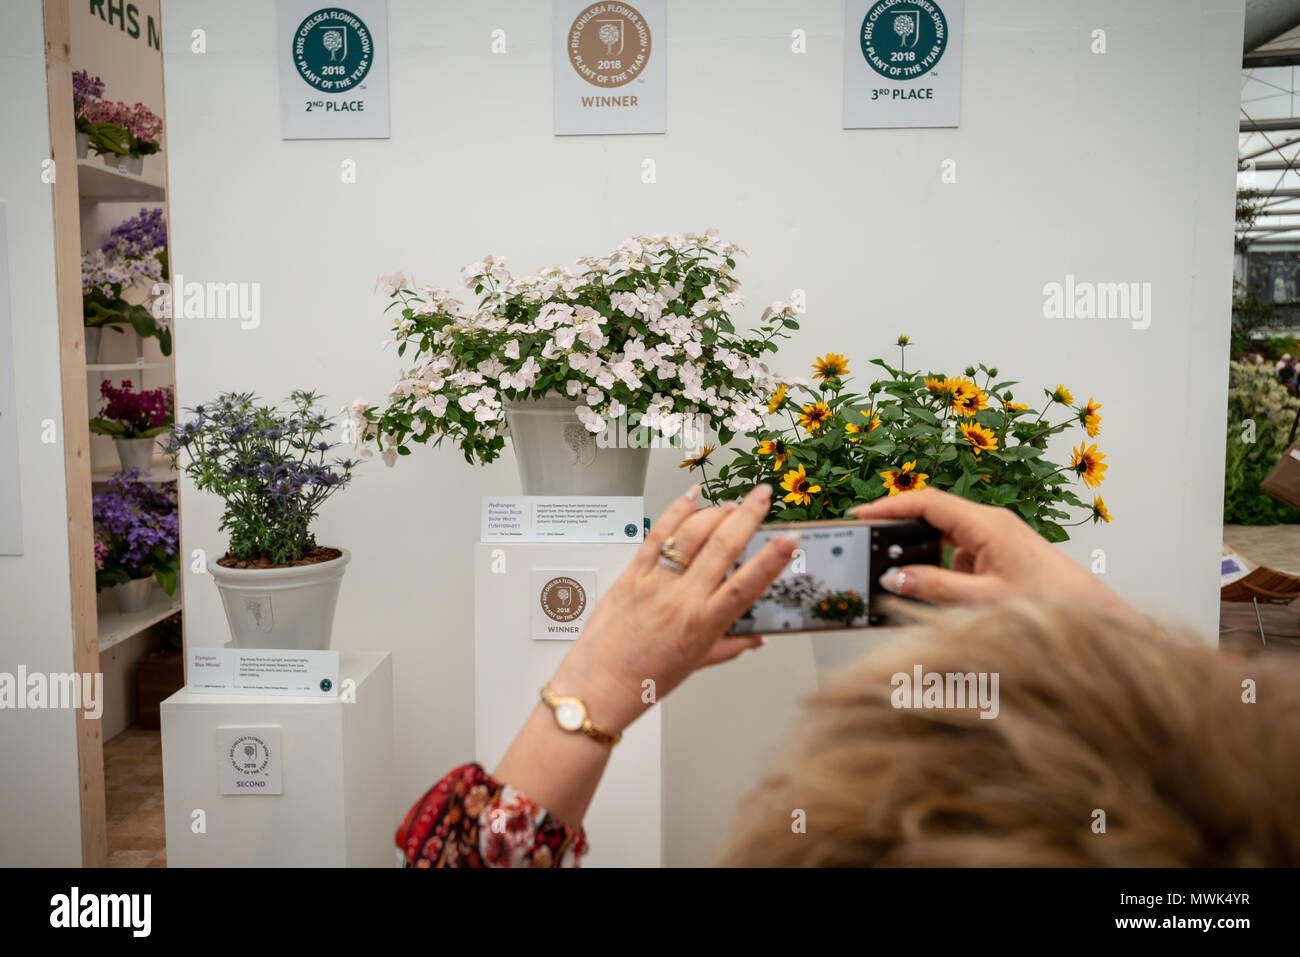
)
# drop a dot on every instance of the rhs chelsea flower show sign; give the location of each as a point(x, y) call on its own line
point(902, 63)
point(610, 68)
point(333, 70)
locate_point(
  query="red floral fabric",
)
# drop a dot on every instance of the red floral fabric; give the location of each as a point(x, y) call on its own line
point(469, 819)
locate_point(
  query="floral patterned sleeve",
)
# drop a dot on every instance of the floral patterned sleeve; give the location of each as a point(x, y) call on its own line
point(469, 819)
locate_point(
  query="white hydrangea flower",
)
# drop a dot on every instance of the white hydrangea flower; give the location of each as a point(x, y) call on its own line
point(590, 419)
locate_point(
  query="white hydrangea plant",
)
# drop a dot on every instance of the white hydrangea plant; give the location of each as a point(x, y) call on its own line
point(644, 332)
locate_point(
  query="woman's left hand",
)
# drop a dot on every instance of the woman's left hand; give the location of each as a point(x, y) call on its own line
point(656, 625)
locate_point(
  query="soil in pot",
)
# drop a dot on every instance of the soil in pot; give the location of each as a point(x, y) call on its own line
point(315, 556)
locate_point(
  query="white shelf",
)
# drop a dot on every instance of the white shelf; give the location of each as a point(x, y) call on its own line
point(97, 183)
point(165, 474)
point(116, 626)
point(124, 366)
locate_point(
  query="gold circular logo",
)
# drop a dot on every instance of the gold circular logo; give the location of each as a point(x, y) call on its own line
point(563, 599)
point(609, 44)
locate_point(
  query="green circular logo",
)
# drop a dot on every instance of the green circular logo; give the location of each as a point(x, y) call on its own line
point(904, 39)
point(332, 50)
point(326, 684)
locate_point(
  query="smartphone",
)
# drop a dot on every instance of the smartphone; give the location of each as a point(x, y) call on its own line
point(833, 580)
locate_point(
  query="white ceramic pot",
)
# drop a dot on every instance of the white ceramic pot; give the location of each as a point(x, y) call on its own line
point(136, 453)
point(557, 455)
point(83, 145)
point(134, 595)
point(94, 342)
point(133, 165)
point(785, 618)
point(282, 608)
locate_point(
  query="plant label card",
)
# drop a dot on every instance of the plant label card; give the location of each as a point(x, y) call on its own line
point(248, 761)
point(312, 674)
point(611, 70)
point(562, 600)
point(333, 70)
point(563, 518)
point(902, 63)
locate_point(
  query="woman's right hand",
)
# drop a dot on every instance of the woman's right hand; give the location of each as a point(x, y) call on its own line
point(995, 556)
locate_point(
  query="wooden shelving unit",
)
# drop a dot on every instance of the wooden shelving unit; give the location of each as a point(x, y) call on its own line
point(80, 194)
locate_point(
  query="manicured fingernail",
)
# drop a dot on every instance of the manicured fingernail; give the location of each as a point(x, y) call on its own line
point(730, 505)
point(763, 493)
point(791, 537)
point(893, 581)
point(692, 493)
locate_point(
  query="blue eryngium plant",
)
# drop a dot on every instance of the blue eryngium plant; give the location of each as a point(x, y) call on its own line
point(272, 468)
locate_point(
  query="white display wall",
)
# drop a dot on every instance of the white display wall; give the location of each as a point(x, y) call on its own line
point(1109, 167)
point(39, 748)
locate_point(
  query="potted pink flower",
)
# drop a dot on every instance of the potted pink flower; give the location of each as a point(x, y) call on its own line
point(124, 135)
point(133, 419)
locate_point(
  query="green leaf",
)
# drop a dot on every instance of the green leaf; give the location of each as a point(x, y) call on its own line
point(962, 485)
point(166, 578)
point(1018, 453)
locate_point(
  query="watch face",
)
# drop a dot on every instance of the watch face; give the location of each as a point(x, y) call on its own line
point(569, 715)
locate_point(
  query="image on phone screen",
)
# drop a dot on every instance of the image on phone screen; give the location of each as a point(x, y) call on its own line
point(831, 582)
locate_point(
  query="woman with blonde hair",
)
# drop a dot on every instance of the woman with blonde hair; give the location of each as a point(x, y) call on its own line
point(1083, 734)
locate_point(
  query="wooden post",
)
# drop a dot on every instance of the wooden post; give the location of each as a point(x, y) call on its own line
point(76, 426)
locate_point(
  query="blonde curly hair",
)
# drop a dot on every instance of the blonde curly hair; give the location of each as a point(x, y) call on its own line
point(1094, 715)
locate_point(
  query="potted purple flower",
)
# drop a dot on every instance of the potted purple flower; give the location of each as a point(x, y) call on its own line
point(274, 470)
point(136, 539)
point(85, 90)
point(134, 257)
point(133, 419)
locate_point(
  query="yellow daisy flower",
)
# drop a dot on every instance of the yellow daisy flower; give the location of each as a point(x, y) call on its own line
point(830, 366)
point(777, 448)
point(874, 422)
point(1062, 395)
point(851, 430)
point(1090, 419)
point(1014, 406)
point(904, 479)
point(700, 459)
point(814, 416)
point(775, 401)
point(1087, 462)
point(1099, 512)
point(978, 436)
point(967, 397)
point(797, 485)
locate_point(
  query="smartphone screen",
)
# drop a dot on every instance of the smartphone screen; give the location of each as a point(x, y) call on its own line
point(832, 582)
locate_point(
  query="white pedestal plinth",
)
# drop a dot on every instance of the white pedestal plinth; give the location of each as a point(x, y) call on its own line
point(338, 806)
point(624, 822)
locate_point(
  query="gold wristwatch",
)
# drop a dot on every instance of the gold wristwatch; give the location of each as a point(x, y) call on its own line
point(571, 715)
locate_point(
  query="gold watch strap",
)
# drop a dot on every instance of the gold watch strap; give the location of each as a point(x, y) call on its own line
point(551, 699)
